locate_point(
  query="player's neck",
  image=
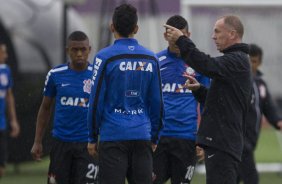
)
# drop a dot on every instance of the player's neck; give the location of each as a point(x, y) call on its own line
point(174, 50)
point(78, 67)
point(118, 36)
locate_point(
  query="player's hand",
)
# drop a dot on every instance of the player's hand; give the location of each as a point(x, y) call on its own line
point(154, 147)
point(36, 151)
point(191, 83)
point(200, 153)
point(15, 129)
point(92, 149)
point(172, 33)
point(279, 124)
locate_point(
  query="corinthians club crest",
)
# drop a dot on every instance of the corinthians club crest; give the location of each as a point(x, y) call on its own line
point(87, 86)
point(189, 71)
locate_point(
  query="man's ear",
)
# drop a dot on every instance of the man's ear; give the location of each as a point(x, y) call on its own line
point(112, 27)
point(136, 29)
point(233, 34)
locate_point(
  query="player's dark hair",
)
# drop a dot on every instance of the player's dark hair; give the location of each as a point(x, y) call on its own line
point(125, 19)
point(178, 22)
point(77, 36)
point(255, 50)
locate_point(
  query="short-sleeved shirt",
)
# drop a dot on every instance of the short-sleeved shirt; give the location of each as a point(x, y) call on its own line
point(71, 91)
point(180, 120)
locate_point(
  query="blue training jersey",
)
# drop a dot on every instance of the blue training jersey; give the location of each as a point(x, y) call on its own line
point(180, 106)
point(5, 85)
point(71, 91)
point(126, 98)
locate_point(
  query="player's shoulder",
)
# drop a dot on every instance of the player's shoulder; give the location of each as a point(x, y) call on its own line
point(59, 69)
point(105, 52)
point(4, 67)
point(146, 51)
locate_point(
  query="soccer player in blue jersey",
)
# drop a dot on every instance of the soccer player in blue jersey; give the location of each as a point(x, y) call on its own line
point(125, 104)
point(68, 86)
point(6, 96)
point(175, 156)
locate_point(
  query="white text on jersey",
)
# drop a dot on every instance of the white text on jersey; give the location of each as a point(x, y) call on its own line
point(75, 101)
point(96, 68)
point(141, 66)
point(123, 111)
point(176, 88)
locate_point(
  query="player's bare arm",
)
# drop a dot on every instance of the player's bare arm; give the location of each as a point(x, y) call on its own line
point(15, 128)
point(41, 124)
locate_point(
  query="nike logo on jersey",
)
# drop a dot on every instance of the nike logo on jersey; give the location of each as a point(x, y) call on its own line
point(209, 138)
point(163, 68)
point(74, 101)
point(136, 66)
point(64, 85)
point(209, 156)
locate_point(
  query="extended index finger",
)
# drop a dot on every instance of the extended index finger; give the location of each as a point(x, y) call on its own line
point(169, 27)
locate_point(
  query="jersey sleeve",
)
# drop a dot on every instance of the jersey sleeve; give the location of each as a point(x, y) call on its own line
point(155, 104)
point(222, 67)
point(96, 103)
point(204, 81)
point(269, 108)
point(49, 88)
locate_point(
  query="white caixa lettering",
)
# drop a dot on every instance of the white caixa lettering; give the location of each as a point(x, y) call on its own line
point(136, 66)
point(74, 101)
point(175, 88)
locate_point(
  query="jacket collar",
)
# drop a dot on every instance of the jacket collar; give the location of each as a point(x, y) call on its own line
point(237, 47)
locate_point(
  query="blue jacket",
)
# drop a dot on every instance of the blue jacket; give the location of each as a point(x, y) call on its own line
point(126, 98)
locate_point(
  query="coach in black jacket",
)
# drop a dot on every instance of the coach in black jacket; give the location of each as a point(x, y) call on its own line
point(226, 102)
point(261, 104)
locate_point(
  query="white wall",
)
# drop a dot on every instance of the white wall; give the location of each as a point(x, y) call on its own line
point(262, 24)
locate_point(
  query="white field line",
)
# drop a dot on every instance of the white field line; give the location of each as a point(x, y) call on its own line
point(261, 167)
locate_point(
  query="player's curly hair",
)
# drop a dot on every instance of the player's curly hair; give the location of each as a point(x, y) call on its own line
point(77, 36)
point(125, 19)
